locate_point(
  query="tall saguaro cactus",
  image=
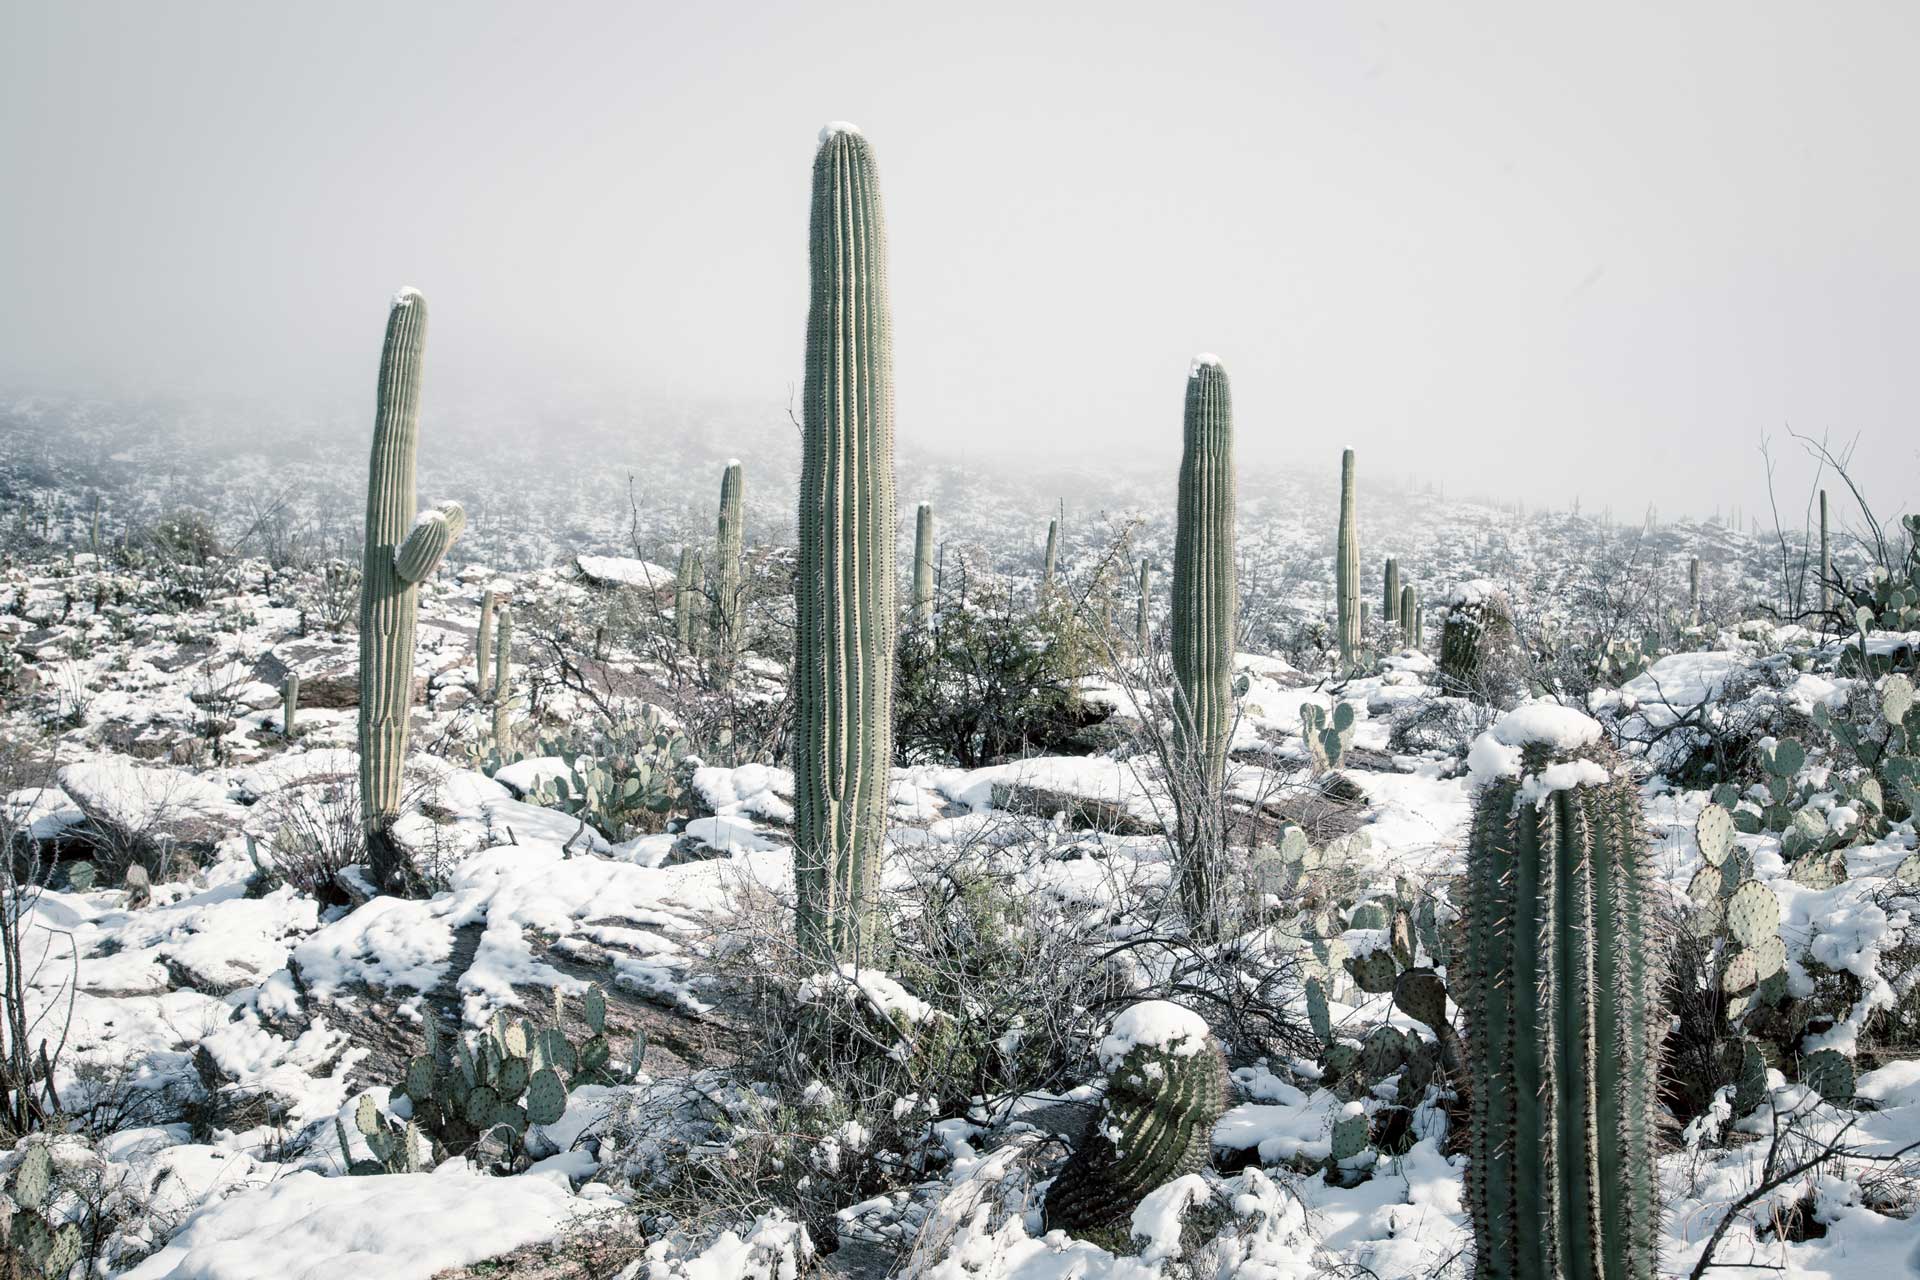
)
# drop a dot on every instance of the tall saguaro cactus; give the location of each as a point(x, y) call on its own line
point(844, 590)
point(728, 544)
point(1410, 616)
point(923, 565)
point(402, 549)
point(1346, 569)
point(1561, 992)
point(1826, 558)
point(483, 641)
point(1693, 592)
point(1390, 596)
point(1205, 611)
point(503, 688)
point(1052, 559)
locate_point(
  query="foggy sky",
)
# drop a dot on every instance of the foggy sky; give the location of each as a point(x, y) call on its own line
point(1539, 250)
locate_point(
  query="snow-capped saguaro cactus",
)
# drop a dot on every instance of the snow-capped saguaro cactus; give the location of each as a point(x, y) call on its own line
point(1561, 990)
point(845, 621)
point(1205, 613)
point(1166, 1085)
point(1390, 593)
point(923, 565)
point(483, 641)
point(402, 548)
point(1346, 568)
point(728, 634)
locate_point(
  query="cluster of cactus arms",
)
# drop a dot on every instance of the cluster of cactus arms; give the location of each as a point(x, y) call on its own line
point(1560, 985)
point(1157, 1120)
point(36, 1244)
point(290, 704)
point(488, 1099)
point(1390, 597)
point(923, 566)
point(403, 546)
point(686, 601)
point(1326, 740)
point(728, 630)
point(1346, 569)
point(503, 683)
point(844, 589)
point(1051, 560)
point(1143, 617)
point(483, 643)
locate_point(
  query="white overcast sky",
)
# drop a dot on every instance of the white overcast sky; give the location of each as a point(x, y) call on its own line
point(1535, 249)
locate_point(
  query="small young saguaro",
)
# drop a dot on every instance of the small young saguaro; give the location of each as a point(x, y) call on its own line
point(1410, 616)
point(1826, 558)
point(403, 547)
point(844, 589)
point(1346, 569)
point(729, 542)
point(1390, 594)
point(923, 566)
point(1052, 557)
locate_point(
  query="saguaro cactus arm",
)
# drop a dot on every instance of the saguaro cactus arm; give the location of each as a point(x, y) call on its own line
point(427, 544)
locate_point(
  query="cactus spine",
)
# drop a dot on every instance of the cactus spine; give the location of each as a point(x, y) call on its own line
point(844, 588)
point(1390, 601)
point(503, 687)
point(1346, 569)
point(1562, 998)
point(290, 709)
point(401, 550)
point(1826, 558)
point(483, 642)
point(1052, 556)
point(728, 543)
point(1144, 622)
point(923, 566)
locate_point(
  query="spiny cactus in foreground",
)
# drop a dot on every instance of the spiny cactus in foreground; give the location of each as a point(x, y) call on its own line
point(1166, 1086)
point(728, 544)
point(290, 704)
point(1390, 596)
point(402, 548)
point(845, 621)
point(1410, 628)
point(1478, 645)
point(503, 687)
point(483, 643)
point(923, 565)
point(1561, 991)
point(1346, 569)
point(1205, 611)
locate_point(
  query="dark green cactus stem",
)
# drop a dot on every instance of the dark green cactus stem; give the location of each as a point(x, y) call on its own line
point(290, 703)
point(844, 587)
point(728, 544)
point(1052, 556)
point(1561, 991)
point(1144, 622)
point(686, 600)
point(483, 643)
point(923, 565)
point(1205, 613)
point(1826, 558)
point(1346, 569)
point(1693, 592)
point(1410, 616)
point(1390, 597)
point(503, 686)
point(1164, 1093)
point(401, 550)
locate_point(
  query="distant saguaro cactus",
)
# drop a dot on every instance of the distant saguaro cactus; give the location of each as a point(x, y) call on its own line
point(728, 636)
point(1052, 556)
point(1826, 558)
point(1205, 613)
point(290, 703)
point(1410, 617)
point(1346, 568)
point(923, 565)
point(1390, 596)
point(686, 601)
point(1561, 989)
point(844, 589)
point(1144, 622)
point(1693, 592)
point(483, 642)
point(1479, 650)
point(503, 687)
point(402, 549)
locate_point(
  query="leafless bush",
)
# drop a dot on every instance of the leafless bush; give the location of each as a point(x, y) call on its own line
point(313, 831)
point(30, 1040)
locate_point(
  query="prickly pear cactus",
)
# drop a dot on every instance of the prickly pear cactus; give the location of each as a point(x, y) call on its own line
point(1166, 1087)
point(1561, 993)
point(38, 1245)
point(1326, 739)
point(844, 587)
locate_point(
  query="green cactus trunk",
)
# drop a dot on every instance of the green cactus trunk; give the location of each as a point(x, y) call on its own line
point(1826, 558)
point(1143, 623)
point(290, 704)
point(923, 566)
point(1205, 613)
point(1410, 616)
point(1693, 592)
point(727, 596)
point(503, 687)
point(483, 642)
point(401, 550)
point(1562, 997)
point(844, 588)
point(1052, 556)
point(1390, 596)
point(1346, 569)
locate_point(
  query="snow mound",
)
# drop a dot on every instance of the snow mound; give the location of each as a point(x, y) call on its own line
point(1155, 1024)
point(624, 571)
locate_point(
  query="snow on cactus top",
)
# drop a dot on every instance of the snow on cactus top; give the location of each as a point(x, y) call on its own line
point(1155, 1024)
point(1202, 361)
point(1477, 592)
point(407, 296)
point(1496, 753)
point(832, 127)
